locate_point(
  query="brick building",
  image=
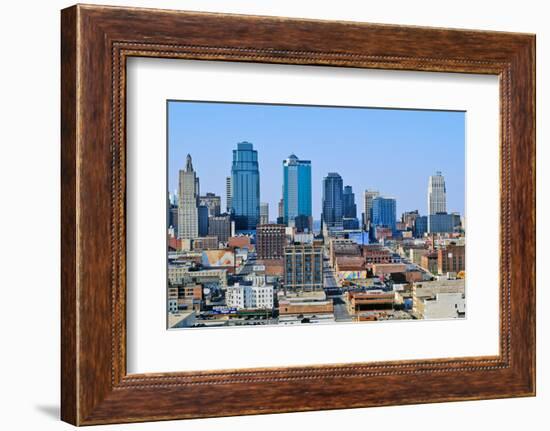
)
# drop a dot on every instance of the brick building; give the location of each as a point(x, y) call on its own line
point(270, 241)
point(451, 259)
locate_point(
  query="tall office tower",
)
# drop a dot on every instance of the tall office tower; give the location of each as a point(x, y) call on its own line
point(228, 194)
point(188, 220)
point(420, 226)
point(333, 201)
point(303, 267)
point(383, 212)
point(408, 218)
point(368, 196)
point(202, 211)
point(280, 212)
point(245, 182)
point(296, 189)
point(220, 226)
point(437, 200)
point(212, 202)
point(350, 209)
point(264, 213)
point(173, 218)
point(270, 241)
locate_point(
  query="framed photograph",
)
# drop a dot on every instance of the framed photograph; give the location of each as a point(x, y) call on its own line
point(266, 215)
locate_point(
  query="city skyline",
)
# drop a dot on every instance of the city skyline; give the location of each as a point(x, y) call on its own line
point(410, 164)
point(245, 269)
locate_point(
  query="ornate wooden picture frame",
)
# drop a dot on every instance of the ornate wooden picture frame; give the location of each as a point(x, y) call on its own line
point(96, 41)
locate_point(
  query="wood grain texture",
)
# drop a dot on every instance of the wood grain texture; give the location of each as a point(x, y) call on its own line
point(96, 41)
point(69, 397)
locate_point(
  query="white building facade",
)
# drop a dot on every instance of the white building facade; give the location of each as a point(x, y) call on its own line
point(437, 194)
point(249, 297)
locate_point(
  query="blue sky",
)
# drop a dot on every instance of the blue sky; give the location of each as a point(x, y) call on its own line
point(389, 150)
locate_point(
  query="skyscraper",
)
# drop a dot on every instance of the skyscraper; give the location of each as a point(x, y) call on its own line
point(350, 209)
point(437, 199)
point(173, 218)
point(188, 192)
point(245, 187)
point(333, 201)
point(368, 196)
point(264, 213)
point(202, 211)
point(280, 212)
point(408, 218)
point(212, 202)
point(383, 212)
point(228, 194)
point(296, 189)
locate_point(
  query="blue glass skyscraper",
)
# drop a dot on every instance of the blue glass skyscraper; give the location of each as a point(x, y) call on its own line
point(350, 209)
point(296, 189)
point(203, 220)
point(383, 212)
point(333, 201)
point(245, 182)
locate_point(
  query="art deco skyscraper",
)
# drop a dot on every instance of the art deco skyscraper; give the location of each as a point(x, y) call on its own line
point(437, 200)
point(188, 193)
point(296, 189)
point(333, 200)
point(245, 183)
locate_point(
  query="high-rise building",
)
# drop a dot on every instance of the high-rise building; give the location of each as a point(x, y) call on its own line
point(202, 211)
point(368, 196)
point(264, 213)
point(188, 192)
point(173, 218)
point(350, 223)
point(296, 189)
point(437, 200)
point(303, 223)
point(350, 209)
point(245, 187)
point(443, 223)
point(280, 212)
point(270, 241)
point(228, 194)
point(383, 212)
point(333, 201)
point(420, 226)
point(303, 267)
point(212, 202)
point(408, 218)
point(220, 226)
